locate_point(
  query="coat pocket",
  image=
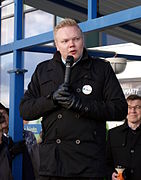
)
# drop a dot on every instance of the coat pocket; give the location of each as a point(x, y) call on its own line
point(47, 154)
point(47, 87)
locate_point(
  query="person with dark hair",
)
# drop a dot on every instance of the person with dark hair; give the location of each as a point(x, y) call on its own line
point(8, 150)
point(5, 169)
point(75, 94)
point(124, 144)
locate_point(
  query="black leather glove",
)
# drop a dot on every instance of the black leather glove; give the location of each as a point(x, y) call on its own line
point(64, 97)
point(70, 101)
point(62, 91)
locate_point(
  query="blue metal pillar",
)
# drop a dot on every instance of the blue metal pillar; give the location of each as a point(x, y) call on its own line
point(16, 89)
point(92, 38)
point(103, 39)
point(92, 9)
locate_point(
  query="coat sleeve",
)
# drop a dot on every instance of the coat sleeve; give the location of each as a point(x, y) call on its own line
point(33, 105)
point(109, 159)
point(113, 105)
point(5, 170)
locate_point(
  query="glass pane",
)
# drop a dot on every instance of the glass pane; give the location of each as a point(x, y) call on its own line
point(31, 60)
point(7, 9)
point(5, 65)
point(37, 22)
point(7, 33)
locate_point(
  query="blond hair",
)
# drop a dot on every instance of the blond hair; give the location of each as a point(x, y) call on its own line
point(64, 23)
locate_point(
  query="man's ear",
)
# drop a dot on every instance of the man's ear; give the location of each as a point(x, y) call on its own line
point(56, 46)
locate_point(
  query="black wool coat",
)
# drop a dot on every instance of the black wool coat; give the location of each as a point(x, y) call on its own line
point(74, 142)
point(5, 169)
point(124, 149)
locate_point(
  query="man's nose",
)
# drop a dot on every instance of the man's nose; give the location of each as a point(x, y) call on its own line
point(71, 43)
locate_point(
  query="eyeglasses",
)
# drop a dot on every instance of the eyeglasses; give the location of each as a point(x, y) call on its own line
point(137, 107)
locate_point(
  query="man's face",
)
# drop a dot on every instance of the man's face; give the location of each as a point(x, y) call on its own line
point(5, 124)
point(134, 111)
point(69, 41)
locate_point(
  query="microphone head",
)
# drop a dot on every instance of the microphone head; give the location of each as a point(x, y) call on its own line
point(70, 60)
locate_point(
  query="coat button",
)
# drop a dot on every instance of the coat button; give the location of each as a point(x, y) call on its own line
point(132, 151)
point(77, 141)
point(86, 109)
point(78, 90)
point(48, 96)
point(94, 133)
point(59, 116)
point(132, 171)
point(58, 141)
point(77, 116)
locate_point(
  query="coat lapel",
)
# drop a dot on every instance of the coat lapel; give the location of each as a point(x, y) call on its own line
point(80, 70)
point(56, 72)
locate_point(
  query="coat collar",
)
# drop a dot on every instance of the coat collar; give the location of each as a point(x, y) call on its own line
point(125, 126)
point(84, 59)
point(80, 69)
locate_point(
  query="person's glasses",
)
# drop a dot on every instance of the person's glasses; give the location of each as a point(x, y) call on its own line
point(137, 107)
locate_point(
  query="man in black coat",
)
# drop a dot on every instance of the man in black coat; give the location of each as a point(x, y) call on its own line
point(124, 143)
point(5, 169)
point(74, 113)
point(9, 150)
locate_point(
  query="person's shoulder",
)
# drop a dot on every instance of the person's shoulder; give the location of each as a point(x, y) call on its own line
point(116, 129)
point(29, 137)
point(27, 133)
point(44, 63)
point(100, 60)
point(100, 64)
point(44, 66)
point(116, 134)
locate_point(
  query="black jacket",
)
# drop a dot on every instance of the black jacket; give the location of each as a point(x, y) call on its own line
point(5, 169)
point(30, 152)
point(74, 143)
point(124, 149)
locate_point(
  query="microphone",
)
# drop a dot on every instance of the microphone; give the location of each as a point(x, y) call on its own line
point(69, 63)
